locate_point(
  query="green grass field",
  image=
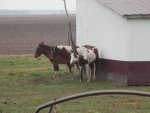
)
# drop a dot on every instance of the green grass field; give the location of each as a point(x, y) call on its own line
point(26, 82)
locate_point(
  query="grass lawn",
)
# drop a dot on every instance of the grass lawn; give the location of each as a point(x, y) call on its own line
point(26, 82)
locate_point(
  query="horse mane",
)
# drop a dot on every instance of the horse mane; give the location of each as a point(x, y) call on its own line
point(46, 49)
point(44, 46)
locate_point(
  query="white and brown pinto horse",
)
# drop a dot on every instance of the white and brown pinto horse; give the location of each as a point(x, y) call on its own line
point(86, 56)
point(57, 55)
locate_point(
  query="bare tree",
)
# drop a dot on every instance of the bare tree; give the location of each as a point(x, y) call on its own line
point(70, 38)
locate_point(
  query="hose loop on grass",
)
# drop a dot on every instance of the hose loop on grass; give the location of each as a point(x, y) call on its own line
point(92, 93)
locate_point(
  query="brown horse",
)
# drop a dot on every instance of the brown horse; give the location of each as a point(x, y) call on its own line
point(57, 55)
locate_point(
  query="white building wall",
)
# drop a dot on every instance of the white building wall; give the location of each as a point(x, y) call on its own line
point(99, 26)
point(140, 41)
point(117, 38)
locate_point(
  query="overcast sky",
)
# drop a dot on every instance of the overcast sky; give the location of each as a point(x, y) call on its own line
point(36, 4)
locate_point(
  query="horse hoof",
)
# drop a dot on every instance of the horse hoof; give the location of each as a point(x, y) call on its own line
point(54, 77)
point(88, 81)
point(72, 79)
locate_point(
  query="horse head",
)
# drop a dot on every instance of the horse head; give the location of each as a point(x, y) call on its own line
point(74, 57)
point(39, 50)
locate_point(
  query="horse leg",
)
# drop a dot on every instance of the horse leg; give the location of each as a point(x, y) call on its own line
point(89, 76)
point(81, 69)
point(94, 71)
point(87, 72)
point(84, 70)
point(70, 69)
point(91, 72)
point(56, 69)
point(78, 69)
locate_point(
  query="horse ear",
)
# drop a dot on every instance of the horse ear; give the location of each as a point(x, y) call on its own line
point(55, 48)
point(42, 43)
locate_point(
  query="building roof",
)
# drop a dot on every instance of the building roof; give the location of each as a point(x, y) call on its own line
point(129, 8)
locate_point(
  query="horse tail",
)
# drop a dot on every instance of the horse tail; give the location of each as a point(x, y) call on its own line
point(96, 60)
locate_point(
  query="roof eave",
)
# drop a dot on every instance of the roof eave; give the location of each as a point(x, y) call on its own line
point(139, 16)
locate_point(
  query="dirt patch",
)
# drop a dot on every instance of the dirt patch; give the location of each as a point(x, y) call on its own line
point(40, 80)
point(44, 80)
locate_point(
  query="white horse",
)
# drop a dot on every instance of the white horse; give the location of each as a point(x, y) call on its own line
point(86, 56)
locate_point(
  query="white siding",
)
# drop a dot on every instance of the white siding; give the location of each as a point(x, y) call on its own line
point(99, 26)
point(140, 41)
point(117, 38)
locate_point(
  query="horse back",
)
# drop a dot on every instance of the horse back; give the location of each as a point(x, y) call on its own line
point(62, 54)
point(94, 49)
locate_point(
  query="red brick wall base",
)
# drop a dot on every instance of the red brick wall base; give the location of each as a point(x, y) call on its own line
point(124, 72)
